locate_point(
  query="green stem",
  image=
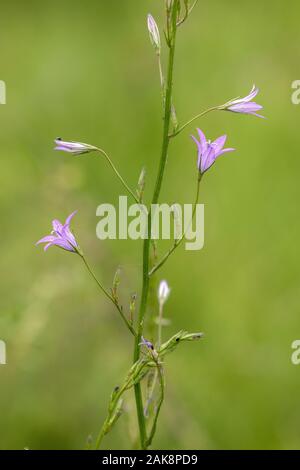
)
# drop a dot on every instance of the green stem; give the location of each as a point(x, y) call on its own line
point(159, 341)
point(178, 242)
point(161, 75)
point(160, 373)
point(109, 296)
point(146, 247)
point(192, 120)
point(188, 11)
point(118, 175)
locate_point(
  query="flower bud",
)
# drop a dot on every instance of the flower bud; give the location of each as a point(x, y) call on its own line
point(141, 184)
point(163, 292)
point(174, 118)
point(76, 148)
point(116, 282)
point(132, 306)
point(154, 33)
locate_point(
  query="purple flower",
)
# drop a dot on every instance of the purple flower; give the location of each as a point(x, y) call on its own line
point(61, 236)
point(209, 151)
point(76, 148)
point(146, 343)
point(245, 105)
point(154, 33)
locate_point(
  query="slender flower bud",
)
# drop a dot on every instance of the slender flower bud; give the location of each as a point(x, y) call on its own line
point(179, 337)
point(154, 33)
point(163, 292)
point(76, 148)
point(132, 306)
point(141, 184)
point(174, 118)
point(116, 282)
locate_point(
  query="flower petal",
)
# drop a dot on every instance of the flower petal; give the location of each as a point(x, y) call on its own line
point(245, 108)
point(252, 94)
point(57, 226)
point(69, 218)
point(48, 238)
point(225, 151)
point(208, 159)
point(202, 140)
point(70, 145)
point(246, 98)
point(62, 244)
point(69, 237)
point(219, 143)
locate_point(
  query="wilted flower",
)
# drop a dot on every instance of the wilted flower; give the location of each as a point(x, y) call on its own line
point(209, 151)
point(244, 105)
point(76, 148)
point(154, 33)
point(146, 343)
point(163, 292)
point(61, 236)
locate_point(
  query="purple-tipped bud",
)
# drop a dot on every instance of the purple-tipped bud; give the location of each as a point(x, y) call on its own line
point(76, 148)
point(154, 33)
point(146, 343)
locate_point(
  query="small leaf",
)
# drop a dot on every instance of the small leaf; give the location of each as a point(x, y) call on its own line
point(132, 306)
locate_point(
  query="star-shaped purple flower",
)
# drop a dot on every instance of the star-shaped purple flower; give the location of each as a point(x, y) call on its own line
point(61, 236)
point(209, 151)
point(245, 105)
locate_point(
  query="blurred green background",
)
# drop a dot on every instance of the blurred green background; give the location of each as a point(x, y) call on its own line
point(86, 71)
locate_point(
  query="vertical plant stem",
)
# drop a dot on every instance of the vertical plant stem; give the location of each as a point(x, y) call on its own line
point(159, 341)
point(160, 373)
point(146, 247)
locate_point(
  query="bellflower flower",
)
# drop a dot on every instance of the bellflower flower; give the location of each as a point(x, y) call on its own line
point(76, 148)
point(146, 343)
point(163, 292)
point(61, 236)
point(209, 151)
point(244, 105)
point(154, 33)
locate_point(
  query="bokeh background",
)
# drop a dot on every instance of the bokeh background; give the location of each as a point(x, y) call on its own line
point(86, 71)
